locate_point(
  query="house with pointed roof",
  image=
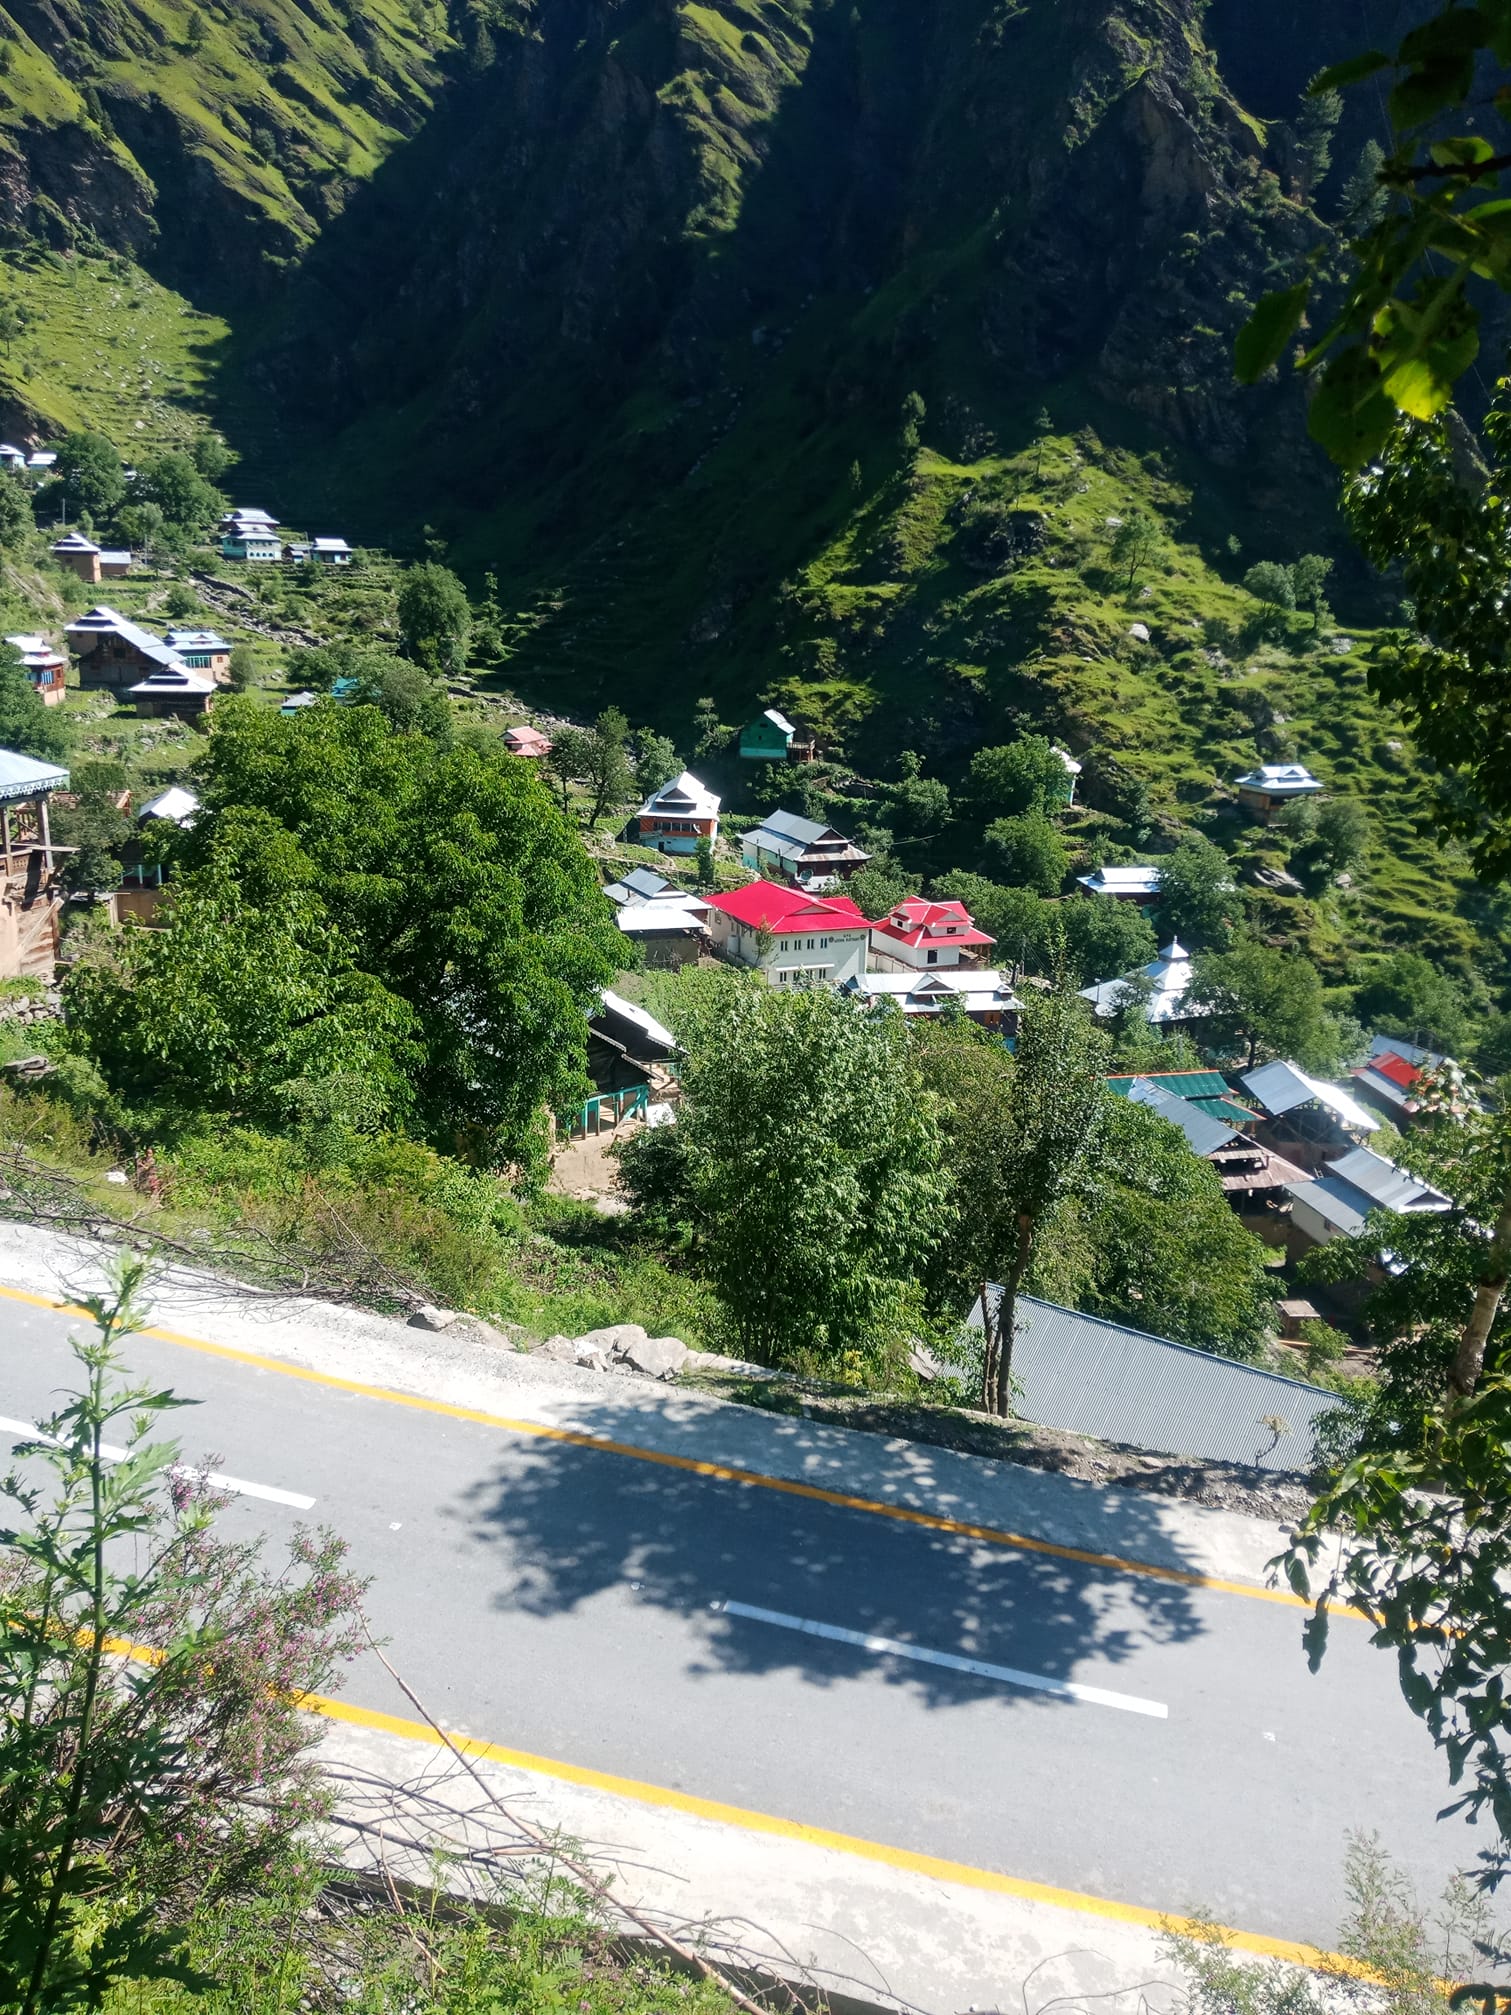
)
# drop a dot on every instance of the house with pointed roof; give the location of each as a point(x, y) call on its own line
point(768, 738)
point(114, 652)
point(1136, 882)
point(1336, 1202)
point(250, 535)
point(1072, 769)
point(812, 855)
point(526, 741)
point(1217, 1130)
point(1161, 987)
point(982, 992)
point(791, 935)
point(173, 691)
point(1303, 1117)
point(46, 668)
point(674, 818)
point(202, 651)
point(331, 552)
point(1266, 789)
point(916, 934)
point(81, 556)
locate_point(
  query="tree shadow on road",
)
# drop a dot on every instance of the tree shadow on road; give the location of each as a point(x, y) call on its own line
point(573, 1523)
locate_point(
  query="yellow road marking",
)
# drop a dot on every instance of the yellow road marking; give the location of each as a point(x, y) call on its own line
point(961, 1873)
point(721, 1472)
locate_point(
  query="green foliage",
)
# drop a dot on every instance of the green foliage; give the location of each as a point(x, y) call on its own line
point(358, 902)
point(136, 1791)
point(1028, 850)
point(90, 474)
point(95, 825)
point(16, 520)
point(1021, 777)
point(181, 602)
point(1406, 995)
point(918, 806)
point(813, 1211)
point(1105, 939)
point(242, 668)
point(1449, 537)
point(1198, 899)
point(1146, 1236)
point(1272, 586)
point(879, 884)
point(188, 501)
point(435, 619)
point(1264, 1003)
point(1407, 328)
point(1138, 545)
point(1342, 832)
point(26, 725)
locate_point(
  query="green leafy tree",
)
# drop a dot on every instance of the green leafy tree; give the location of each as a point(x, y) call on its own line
point(1146, 1236)
point(1309, 578)
point(919, 806)
point(95, 825)
point(1019, 1133)
point(655, 760)
point(1044, 426)
point(704, 862)
point(1447, 537)
point(813, 1212)
point(609, 772)
point(181, 602)
point(1407, 995)
point(882, 882)
point(12, 323)
point(16, 521)
point(914, 413)
point(1342, 832)
point(710, 734)
point(189, 502)
point(210, 456)
point(242, 668)
point(407, 697)
point(1138, 545)
point(1017, 918)
point(1407, 328)
point(1316, 123)
point(435, 619)
point(90, 475)
point(1263, 1002)
point(1018, 778)
point(1105, 939)
point(1198, 899)
point(26, 725)
point(1028, 850)
point(137, 1790)
point(141, 526)
point(1273, 587)
point(378, 869)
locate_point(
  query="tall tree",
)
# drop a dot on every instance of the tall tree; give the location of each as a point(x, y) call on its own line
point(1017, 778)
point(1028, 850)
point(435, 619)
point(90, 474)
point(1265, 1002)
point(1138, 545)
point(26, 725)
point(1198, 897)
point(1021, 1131)
point(810, 1163)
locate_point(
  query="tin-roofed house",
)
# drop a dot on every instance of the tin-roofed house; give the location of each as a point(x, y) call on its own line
point(45, 668)
point(1337, 1200)
point(31, 900)
point(768, 738)
point(173, 692)
point(81, 556)
point(793, 937)
point(203, 651)
point(1304, 1118)
point(1137, 882)
point(674, 818)
point(1160, 988)
point(1255, 1179)
point(114, 653)
point(331, 552)
point(250, 535)
point(1272, 785)
point(810, 855)
point(526, 741)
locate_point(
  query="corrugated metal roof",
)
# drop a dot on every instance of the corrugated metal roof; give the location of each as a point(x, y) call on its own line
point(1282, 1086)
point(1204, 1136)
point(24, 777)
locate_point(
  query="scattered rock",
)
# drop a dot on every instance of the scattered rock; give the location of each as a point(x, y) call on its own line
point(615, 1340)
point(710, 1360)
point(1341, 646)
point(1277, 878)
point(1343, 881)
point(1139, 632)
point(426, 1317)
point(116, 1175)
point(657, 1356)
point(478, 1331)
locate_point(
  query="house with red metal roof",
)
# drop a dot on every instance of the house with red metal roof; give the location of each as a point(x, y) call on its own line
point(789, 935)
point(916, 934)
point(526, 741)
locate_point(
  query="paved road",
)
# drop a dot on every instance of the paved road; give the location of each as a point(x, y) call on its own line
point(571, 1603)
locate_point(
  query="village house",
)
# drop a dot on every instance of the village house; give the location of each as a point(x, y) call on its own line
point(41, 462)
point(638, 886)
point(674, 818)
point(31, 902)
point(1160, 987)
point(173, 691)
point(90, 562)
point(670, 927)
point(628, 1047)
point(767, 739)
point(1254, 1179)
point(526, 741)
point(1266, 789)
point(114, 652)
point(1136, 883)
point(46, 668)
point(811, 855)
point(983, 993)
point(916, 933)
point(12, 459)
point(250, 535)
point(1303, 1118)
point(790, 935)
point(202, 651)
point(330, 552)
point(1072, 769)
point(1336, 1202)
point(1389, 1080)
point(143, 879)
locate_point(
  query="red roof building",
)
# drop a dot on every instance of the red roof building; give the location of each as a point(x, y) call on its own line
point(527, 741)
point(916, 934)
point(791, 936)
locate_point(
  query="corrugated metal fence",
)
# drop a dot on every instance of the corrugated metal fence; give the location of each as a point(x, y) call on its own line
point(1098, 1378)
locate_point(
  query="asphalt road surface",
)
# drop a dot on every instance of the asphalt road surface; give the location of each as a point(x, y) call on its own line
point(1104, 1731)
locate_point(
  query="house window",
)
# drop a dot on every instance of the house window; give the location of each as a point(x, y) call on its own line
point(934, 959)
point(813, 944)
